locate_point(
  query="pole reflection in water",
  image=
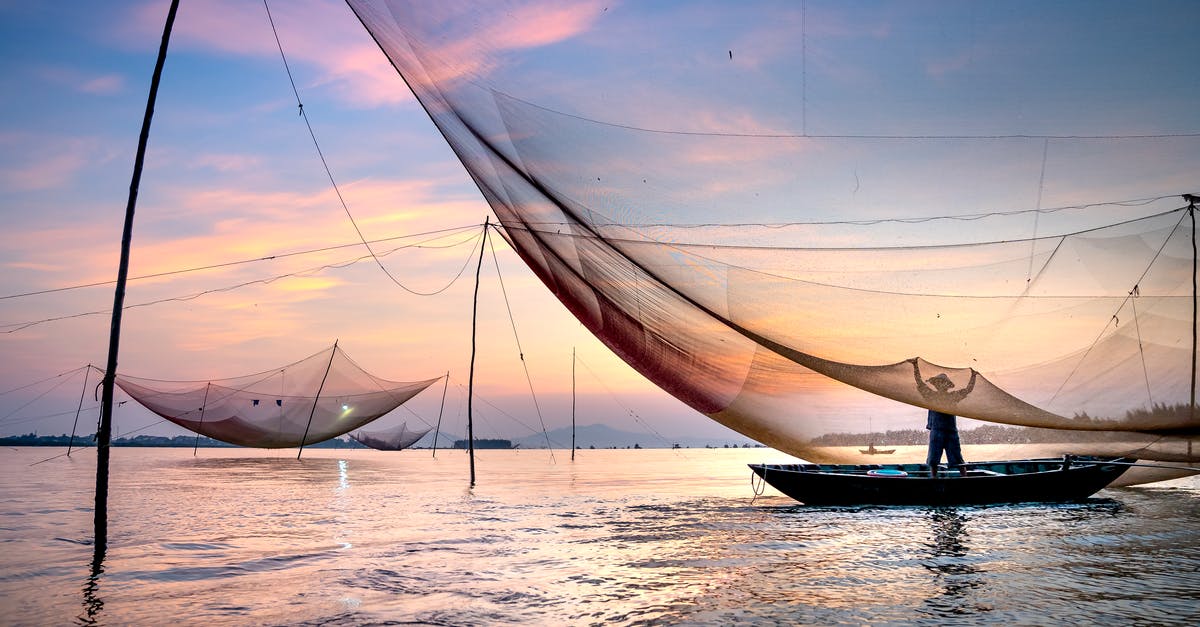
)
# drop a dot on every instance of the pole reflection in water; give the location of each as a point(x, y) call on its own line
point(92, 603)
point(950, 563)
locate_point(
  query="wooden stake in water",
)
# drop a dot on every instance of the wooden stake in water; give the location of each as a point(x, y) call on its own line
point(572, 403)
point(104, 432)
point(78, 409)
point(203, 408)
point(471, 375)
point(317, 399)
point(438, 430)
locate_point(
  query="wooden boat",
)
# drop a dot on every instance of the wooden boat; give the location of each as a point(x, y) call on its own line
point(981, 483)
point(871, 450)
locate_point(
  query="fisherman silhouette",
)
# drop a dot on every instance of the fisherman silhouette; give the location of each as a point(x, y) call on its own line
point(943, 427)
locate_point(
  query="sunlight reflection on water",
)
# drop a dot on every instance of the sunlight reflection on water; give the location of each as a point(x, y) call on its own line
point(617, 537)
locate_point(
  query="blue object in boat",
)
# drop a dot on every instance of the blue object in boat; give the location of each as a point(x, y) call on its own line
point(887, 472)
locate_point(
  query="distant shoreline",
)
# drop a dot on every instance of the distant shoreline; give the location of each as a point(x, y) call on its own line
point(190, 441)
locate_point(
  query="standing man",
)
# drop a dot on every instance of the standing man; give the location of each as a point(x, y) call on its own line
point(943, 427)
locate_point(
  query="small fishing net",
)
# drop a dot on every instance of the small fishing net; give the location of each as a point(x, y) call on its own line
point(320, 397)
point(793, 216)
point(394, 439)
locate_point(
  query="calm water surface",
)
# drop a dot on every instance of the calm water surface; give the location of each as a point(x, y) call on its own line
point(249, 537)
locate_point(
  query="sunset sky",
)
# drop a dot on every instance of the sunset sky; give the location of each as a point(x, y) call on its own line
point(232, 175)
point(244, 257)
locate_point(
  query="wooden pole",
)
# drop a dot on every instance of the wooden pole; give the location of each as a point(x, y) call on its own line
point(317, 399)
point(572, 403)
point(438, 430)
point(78, 409)
point(1192, 213)
point(203, 408)
point(104, 433)
point(471, 375)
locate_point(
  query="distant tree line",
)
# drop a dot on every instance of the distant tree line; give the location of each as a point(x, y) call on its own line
point(178, 441)
point(1004, 434)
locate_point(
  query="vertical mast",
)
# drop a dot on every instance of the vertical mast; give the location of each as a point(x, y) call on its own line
point(438, 430)
point(572, 403)
point(332, 354)
point(203, 408)
point(471, 376)
point(104, 433)
point(1191, 200)
point(78, 409)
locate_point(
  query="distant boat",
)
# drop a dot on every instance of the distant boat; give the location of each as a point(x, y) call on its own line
point(871, 450)
point(982, 483)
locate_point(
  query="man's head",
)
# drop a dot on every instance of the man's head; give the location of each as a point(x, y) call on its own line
point(941, 382)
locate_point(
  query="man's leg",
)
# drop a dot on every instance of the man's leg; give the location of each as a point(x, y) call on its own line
point(954, 455)
point(936, 445)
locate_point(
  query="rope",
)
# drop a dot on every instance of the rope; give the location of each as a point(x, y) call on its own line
point(964, 217)
point(40, 381)
point(1137, 327)
point(629, 411)
point(715, 246)
point(513, 322)
point(758, 486)
point(1114, 320)
point(226, 264)
point(325, 164)
point(92, 448)
point(39, 396)
point(461, 388)
point(805, 135)
point(20, 326)
point(1037, 214)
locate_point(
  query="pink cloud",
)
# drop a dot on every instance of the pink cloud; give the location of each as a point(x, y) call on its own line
point(46, 162)
point(326, 35)
point(78, 80)
point(102, 85)
point(318, 34)
point(542, 23)
point(226, 162)
point(939, 68)
point(493, 29)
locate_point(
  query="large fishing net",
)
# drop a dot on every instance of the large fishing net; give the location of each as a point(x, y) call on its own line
point(317, 398)
point(794, 216)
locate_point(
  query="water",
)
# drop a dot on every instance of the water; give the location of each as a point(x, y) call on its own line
point(627, 537)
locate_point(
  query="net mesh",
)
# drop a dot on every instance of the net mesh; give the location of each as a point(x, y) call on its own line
point(315, 399)
point(394, 439)
point(793, 232)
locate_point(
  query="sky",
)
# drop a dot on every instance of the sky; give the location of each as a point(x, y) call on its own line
point(232, 175)
point(245, 258)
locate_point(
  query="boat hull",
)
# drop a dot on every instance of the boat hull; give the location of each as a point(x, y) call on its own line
point(985, 483)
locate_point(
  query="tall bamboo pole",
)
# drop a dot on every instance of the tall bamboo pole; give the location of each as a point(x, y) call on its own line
point(317, 399)
point(203, 408)
point(104, 433)
point(572, 404)
point(471, 376)
point(438, 430)
point(78, 409)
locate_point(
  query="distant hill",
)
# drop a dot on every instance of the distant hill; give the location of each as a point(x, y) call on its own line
point(604, 436)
